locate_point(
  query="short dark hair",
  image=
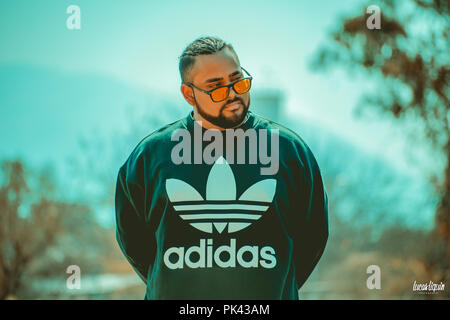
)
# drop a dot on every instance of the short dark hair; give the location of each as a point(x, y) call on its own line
point(200, 46)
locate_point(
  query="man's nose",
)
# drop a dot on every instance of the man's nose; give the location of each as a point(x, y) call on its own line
point(231, 94)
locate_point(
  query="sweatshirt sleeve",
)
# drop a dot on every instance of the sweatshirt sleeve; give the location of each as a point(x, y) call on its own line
point(311, 231)
point(132, 233)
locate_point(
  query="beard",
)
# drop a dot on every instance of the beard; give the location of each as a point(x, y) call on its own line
point(222, 120)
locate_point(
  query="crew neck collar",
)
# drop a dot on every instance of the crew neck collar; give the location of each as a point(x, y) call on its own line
point(248, 122)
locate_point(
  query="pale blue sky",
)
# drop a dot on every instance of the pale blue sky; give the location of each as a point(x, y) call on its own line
point(138, 42)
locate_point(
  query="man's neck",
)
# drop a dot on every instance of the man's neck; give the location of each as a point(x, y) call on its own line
point(208, 125)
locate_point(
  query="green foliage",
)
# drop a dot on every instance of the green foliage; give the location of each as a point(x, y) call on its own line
point(40, 235)
point(409, 58)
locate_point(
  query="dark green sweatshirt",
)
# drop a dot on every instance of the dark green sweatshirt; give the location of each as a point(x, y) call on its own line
point(196, 228)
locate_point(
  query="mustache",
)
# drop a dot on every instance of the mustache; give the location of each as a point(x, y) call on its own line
point(232, 101)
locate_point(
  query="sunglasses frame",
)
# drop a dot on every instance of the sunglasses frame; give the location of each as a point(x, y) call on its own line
point(231, 85)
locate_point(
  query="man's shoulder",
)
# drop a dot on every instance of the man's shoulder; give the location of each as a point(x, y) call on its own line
point(291, 144)
point(157, 140)
point(162, 134)
point(285, 134)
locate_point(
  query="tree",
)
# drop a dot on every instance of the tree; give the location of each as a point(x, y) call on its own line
point(34, 224)
point(408, 57)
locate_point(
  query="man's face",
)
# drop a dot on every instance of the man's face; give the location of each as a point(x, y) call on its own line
point(211, 71)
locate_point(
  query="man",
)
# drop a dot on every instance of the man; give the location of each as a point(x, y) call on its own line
point(222, 204)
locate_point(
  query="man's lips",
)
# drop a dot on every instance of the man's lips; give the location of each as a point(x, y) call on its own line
point(233, 106)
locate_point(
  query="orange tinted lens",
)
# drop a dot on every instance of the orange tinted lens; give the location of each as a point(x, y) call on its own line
point(242, 86)
point(219, 94)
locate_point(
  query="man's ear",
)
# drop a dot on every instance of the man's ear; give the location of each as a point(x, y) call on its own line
point(188, 94)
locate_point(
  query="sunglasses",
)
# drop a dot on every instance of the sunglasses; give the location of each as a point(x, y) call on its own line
point(221, 93)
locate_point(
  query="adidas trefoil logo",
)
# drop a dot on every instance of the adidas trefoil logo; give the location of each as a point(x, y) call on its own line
point(220, 209)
